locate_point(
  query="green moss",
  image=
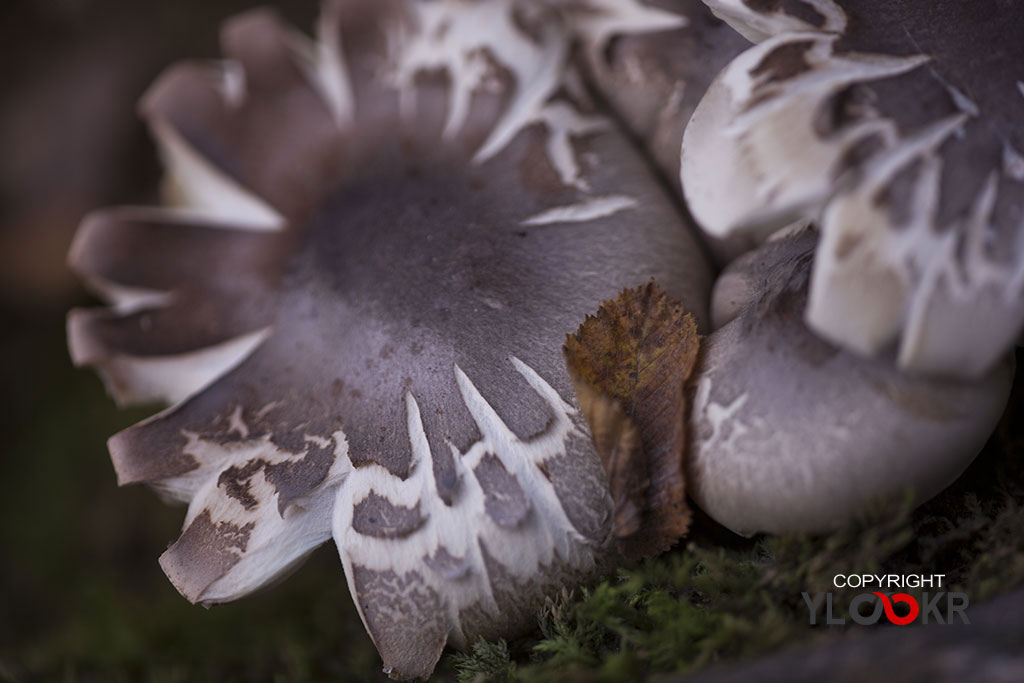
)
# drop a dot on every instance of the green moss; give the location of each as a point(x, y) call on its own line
point(487, 661)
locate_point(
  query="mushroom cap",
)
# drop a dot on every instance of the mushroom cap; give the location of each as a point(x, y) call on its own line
point(757, 21)
point(891, 129)
point(357, 305)
point(791, 433)
point(655, 79)
point(356, 300)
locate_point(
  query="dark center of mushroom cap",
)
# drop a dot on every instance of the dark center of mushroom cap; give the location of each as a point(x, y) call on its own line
point(418, 264)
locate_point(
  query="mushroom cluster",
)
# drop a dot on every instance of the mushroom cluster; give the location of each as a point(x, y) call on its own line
point(375, 242)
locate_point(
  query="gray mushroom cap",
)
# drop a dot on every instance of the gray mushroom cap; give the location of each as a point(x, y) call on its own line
point(791, 433)
point(655, 79)
point(357, 308)
point(893, 128)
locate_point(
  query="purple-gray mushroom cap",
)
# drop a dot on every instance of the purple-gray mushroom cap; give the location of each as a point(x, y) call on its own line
point(895, 127)
point(355, 303)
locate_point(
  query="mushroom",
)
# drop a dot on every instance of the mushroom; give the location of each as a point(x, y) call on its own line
point(765, 464)
point(356, 302)
point(655, 79)
point(789, 432)
point(893, 129)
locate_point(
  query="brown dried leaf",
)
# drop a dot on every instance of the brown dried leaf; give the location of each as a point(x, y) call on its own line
point(629, 364)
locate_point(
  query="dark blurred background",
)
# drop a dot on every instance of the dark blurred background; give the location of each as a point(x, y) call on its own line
point(81, 595)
